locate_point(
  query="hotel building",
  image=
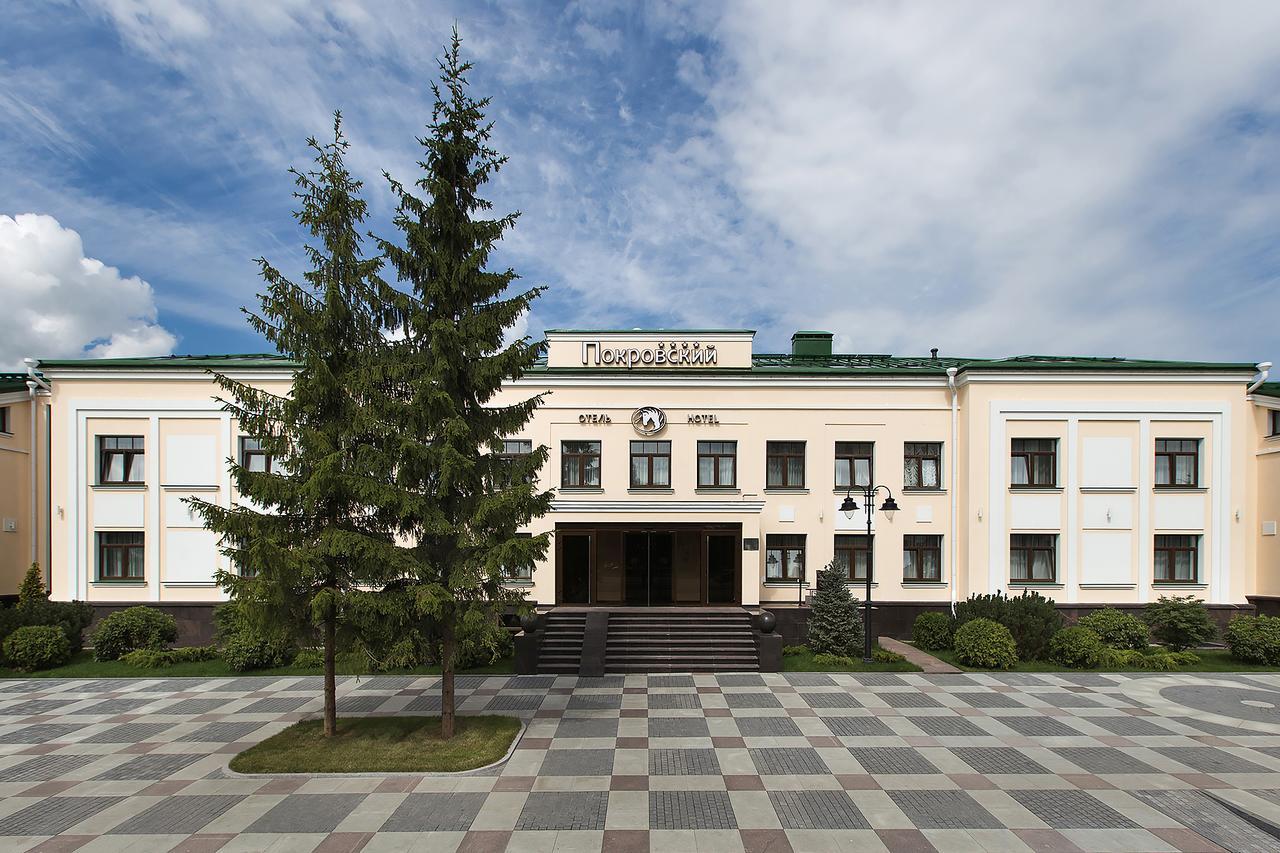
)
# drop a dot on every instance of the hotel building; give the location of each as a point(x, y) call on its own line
point(691, 470)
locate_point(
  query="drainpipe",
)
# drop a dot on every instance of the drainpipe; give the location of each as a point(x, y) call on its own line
point(34, 382)
point(955, 474)
point(1264, 370)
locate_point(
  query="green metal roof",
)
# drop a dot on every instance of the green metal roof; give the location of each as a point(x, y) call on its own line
point(1269, 389)
point(652, 331)
point(230, 360)
point(10, 382)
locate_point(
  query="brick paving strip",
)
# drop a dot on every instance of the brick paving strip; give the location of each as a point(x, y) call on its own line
point(772, 762)
point(919, 657)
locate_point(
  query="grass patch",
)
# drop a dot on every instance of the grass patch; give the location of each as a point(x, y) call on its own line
point(1211, 660)
point(381, 745)
point(804, 662)
point(83, 665)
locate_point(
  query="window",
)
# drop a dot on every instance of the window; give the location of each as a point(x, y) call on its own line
point(120, 557)
point(513, 450)
point(853, 555)
point(922, 465)
point(5, 426)
point(784, 557)
point(1274, 417)
point(922, 558)
point(519, 574)
point(120, 459)
point(853, 463)
point(784, 465)
point(1177, 559)
point(1178, 462)
point(717, 464)
point(580, 464)
point(253, 456)
point(1032, 557)
point(1035, 462)
point(650, 464)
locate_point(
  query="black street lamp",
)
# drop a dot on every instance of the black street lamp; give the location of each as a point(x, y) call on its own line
point(849, 506)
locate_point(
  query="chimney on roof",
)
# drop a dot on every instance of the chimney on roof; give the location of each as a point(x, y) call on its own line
point(933, 353)
point(811, 343)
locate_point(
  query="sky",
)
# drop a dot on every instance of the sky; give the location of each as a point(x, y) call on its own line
point(987, 178)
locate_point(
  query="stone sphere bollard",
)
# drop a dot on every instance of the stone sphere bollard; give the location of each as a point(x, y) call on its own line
point(529, 622)
point(766, 622)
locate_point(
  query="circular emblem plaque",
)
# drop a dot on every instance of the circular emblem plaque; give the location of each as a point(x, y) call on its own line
point(649, 420)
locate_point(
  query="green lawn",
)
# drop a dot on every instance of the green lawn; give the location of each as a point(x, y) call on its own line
point(381, 744)
point(1211, 660)
point(84, 666)
point(804, 663)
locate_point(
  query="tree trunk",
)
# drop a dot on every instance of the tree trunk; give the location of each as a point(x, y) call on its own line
point(448, 643)
point(330, 681)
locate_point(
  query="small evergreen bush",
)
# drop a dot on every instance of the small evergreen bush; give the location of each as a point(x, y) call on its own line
point(886, 656)
point(135, 628)
point(985, 643)
point(156, 658)
point(35, 647)
point(1254, 639)
point(792, 651)
point(1033, 620)
point(1077, 647)
point(991, 607)
point(309, 659)
point(35, 608)
point(1117, 630)
point(834, 624)
point(31, 593)
point(1179, 622)
point(933, 630)
point(834, 661)
point(251, 651)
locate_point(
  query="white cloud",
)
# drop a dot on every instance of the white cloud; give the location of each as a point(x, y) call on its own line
point(60, 304)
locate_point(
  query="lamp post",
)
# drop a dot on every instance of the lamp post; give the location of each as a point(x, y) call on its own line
point(849, 506)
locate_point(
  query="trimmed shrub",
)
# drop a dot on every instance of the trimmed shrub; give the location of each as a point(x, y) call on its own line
point(1254, 639)
point(985, 643)
point(135, 628)
point(34, 647)
point(250, 651)
point(32, 594)
point(1033, 620)
point(834, 624)
point(1117, 630)
point(155, 658)
point(309, 659)
point(886, 656)
point(1179, 622)
point(792, 651)
point(933, 630)
point(834, 661)
point(991, 607)
point(1077, 647)
point(35, 608)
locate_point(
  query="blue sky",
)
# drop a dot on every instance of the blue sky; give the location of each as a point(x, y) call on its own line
point(988, 179)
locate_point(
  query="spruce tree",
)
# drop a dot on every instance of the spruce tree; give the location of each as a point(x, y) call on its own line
point(32, 594)
point(461, 504)
point(835, 627)
point(306, 540)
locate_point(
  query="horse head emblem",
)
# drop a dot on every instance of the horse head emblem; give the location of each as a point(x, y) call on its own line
point(648, 420)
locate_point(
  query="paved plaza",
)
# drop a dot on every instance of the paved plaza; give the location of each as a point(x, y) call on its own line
point(774, 762)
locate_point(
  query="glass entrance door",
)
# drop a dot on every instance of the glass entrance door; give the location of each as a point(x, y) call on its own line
point(647, 565)
point(722, 568)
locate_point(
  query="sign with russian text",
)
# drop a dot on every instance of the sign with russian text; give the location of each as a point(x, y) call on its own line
point(661, 354)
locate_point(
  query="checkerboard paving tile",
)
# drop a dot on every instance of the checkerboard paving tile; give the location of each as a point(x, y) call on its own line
point(737, 761)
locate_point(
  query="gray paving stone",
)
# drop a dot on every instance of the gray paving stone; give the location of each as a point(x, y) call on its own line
point(130, 733)
point(878, 679)
point(172, 685)
point(1103, 759)
point(594, 702)
point(788, 761)
point(121, 705)
point(599, 682)
point(221, 733)
point(1019, 679)
point(948, 727)
point(830, 699)
point(577, 762)
point(1211, 728)
point(41, 733)
point(740, 679)
point(1067, 699)
point(180, 815)
point(892, 759)
point(532, 682)
point(691, 810)
point(752, 700)
point(515, 702)
point(1067, 809)
point(246, 684)
point(1210, 759)
point(30, 707)
point(443, 812)
point(388, 683)
point(304, 813)
point(670, 681)
point(990, 699)
point(809, 679)
point(198, 706)
point(943, 810)
point(767, 727)
point(427, 703)
point(474, 682)
point(1127, 726)
point(950, 679)
point(575, 727)
point(153, 766)
point(857, 726)
point(54, 815)
point(269, 705)
point(44, 768)
point(1239, 703)
point(909, 699)
point(817, 810)
point(564, 811)
point(362, 704)
point(673, 701)
point(683, 762)
point(1211, 819)
point(997, 759)
point(680, 727)
point(1035, 725)
point(1086, 679)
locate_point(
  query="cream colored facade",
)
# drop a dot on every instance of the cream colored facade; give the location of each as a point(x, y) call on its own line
point(23, 493)
point(1103, 509)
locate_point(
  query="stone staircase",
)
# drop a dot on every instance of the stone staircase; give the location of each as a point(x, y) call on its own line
point(561, 650)
point(680, 640)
